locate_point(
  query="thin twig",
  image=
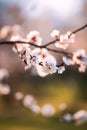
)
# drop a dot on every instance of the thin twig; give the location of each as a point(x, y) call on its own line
point(77, 30)
point(49, 43)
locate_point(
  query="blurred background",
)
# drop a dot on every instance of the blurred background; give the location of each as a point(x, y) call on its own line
point(67, 93)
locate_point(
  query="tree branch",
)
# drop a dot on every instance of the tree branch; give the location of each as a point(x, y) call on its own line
point(47, 44)
point(77, 30)
point(32, 44)
point(59, 51)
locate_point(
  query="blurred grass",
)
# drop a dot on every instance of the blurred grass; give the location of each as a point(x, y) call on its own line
point(28, 121)
point(46, 91)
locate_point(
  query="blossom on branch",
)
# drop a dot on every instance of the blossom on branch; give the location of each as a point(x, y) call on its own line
point(55, 34)
point(4, 89)
point(48, 66)
point(3, 74)
point(78, 58)
point(33, 53)
point(34, 37)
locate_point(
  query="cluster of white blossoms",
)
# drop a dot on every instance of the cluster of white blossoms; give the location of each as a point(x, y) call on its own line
point(29, 102)
point(34, 37)
point(18, 96)
point(4, 88)
point(3, 74)
point(33, 52)
point(67, 117)
point(48, 110)
point(79, 58)
point(63, 40)
point(80, 117)
point(38, 55)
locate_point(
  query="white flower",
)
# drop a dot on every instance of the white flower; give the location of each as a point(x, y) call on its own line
point(47, 110)
point(71, 38)
point(31, 57)
point(29, 101)
point(82, 68)
point(4, 89)
point(68, 61)
point(27, 67)
point(55, 34)
point(44, 53)
point(3, 73)
point(61, 45)
point(35, 56)
point(34, 37)
point(61, 69)
point(63, 106)
point(80, 117)
point(18, 96)
point(35, 108)
point(16, 38)
point(5, 31)
point(65, 39)
point(48, 66)
point(19, 46)
point(80, 58)
point(25, 55)
point(68, 117)
point(40, 71)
